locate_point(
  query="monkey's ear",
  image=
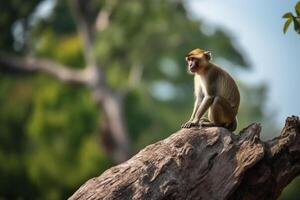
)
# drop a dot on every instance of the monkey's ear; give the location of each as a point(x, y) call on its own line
point(208, 55)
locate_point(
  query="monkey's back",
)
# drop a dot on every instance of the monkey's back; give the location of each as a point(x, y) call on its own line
point(227, 87)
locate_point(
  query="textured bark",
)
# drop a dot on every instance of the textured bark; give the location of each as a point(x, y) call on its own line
point(204, 163)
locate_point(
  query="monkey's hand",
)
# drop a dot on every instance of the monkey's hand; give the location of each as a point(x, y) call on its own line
point(190, 124)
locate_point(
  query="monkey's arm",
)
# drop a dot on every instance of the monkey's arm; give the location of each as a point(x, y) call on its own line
point(196, 106)
point(198, 99)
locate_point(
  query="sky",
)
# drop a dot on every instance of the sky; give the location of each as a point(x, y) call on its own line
point(256, 28)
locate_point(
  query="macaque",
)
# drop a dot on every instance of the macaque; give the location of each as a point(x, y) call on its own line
point(215, 91)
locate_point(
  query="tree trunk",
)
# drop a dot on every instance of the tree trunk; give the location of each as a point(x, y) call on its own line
point(114, 137)
point(204, 163)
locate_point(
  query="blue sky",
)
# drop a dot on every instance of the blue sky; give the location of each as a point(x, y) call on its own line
point(256, 27)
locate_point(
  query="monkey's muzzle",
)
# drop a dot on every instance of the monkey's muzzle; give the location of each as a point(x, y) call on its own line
point(193, 67)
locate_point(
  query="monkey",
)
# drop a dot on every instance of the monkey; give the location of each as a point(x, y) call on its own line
point(215, 91)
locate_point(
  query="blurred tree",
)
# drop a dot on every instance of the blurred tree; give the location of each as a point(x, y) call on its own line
point(122, 71)
point(15, 17)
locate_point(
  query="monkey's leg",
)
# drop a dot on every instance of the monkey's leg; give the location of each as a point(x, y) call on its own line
point(204, 105)
point(221, 113)
point(233, 125)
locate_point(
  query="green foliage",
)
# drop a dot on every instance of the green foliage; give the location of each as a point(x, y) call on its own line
point(290, 17)
point(14, 179)
point(253, 109)
point(48, 140)
point(12, 14)
point(291, 192)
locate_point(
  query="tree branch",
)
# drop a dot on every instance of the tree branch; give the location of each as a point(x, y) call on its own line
point(102, 19)
point(205, 163)
point(115, 128)
point(59, 71)
point(85, 28)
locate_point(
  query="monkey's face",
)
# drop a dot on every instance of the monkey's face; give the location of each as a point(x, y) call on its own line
point(196, 63)
point(198, 60)
point(192, 64)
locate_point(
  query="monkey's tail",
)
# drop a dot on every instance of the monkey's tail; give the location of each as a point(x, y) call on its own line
point(233, 125)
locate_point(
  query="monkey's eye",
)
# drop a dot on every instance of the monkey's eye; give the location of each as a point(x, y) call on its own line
point(189, 59)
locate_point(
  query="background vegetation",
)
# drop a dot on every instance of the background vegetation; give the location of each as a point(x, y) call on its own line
point(53, 135)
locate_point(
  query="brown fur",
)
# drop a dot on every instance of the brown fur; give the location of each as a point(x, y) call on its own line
point(215, 91)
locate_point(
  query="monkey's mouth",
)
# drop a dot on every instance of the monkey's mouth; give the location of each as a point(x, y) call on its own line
point(193, 68)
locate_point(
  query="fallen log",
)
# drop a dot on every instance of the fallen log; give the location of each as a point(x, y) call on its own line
point(204, 163)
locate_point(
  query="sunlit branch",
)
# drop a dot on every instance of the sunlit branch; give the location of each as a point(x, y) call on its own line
point(102, 20)
point(32, 64)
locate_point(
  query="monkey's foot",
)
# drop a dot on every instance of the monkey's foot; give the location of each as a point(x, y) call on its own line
point(207, 124)
point(189, 124)
point(204, 120)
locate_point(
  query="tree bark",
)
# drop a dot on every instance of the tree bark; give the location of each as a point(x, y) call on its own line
point(204, 163)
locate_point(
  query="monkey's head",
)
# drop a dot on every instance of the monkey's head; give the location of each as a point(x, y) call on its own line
point(198, 59)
